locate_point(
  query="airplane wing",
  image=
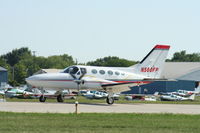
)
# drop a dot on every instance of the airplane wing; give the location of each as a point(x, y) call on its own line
point(122, 86)
point(117, 86)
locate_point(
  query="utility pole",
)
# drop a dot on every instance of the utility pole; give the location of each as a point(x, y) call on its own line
point(76, 61)
point(34, 53)
point(34, 69)
point(13, 73)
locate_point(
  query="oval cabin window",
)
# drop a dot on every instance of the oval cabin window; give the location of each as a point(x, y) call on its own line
point(94, 71)
point(110, 72)
point(102, 72)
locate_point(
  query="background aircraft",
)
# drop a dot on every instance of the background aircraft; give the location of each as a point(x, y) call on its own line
point(91, 94)
point(173, 97)
point(109, 79)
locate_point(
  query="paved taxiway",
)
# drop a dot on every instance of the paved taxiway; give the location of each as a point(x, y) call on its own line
point(98, 108)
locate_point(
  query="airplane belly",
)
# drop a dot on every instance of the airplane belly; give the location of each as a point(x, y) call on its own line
point(65, 84)
point(91, 85)
point(54, 84)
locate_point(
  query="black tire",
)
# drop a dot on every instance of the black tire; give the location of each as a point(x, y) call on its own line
point(110, 100)
point(42, 99)
point(60, 98)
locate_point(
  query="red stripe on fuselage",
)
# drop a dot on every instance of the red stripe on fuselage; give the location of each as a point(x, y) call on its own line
point(117, 81)
point(73, 81)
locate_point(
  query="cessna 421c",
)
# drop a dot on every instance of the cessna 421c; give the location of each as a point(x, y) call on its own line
point(110, 79)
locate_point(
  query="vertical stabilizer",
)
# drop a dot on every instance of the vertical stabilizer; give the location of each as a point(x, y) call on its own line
point(192, 97)
point(153, 63)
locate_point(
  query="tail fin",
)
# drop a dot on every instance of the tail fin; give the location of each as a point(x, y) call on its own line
point(152, 64)
point(192, 97)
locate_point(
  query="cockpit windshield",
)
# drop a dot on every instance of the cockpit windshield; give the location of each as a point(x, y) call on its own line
point(72, 70)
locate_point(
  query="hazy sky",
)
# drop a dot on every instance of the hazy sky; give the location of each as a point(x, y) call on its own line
point(91, 29)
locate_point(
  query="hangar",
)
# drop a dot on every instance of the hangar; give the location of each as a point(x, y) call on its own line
point(3, 76)
point(178, 75)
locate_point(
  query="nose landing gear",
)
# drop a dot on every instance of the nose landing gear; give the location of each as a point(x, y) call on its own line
point(42, 98)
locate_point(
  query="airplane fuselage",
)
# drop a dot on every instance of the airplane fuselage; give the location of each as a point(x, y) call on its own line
point(94, 78)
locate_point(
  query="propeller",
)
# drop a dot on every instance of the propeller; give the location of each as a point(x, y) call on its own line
point(79, 80)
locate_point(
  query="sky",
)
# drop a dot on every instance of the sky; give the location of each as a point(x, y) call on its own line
point(91, 29)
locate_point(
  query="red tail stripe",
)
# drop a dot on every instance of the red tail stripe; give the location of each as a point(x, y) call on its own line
point(162, 47)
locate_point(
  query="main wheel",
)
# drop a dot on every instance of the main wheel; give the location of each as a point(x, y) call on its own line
point(110, 100)
point(60, 98)
point(42, 99)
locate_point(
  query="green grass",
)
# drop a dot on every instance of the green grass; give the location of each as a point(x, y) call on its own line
point(91, 123)
point(122, 100)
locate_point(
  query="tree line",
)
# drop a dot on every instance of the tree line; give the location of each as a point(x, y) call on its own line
point(22, 63)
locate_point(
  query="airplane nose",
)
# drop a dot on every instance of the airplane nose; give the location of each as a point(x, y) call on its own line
point(43, 80)
point(35, 79)
point(31, 78)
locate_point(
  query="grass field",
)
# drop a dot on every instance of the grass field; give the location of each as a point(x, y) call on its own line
point(122, 100)
point(91, 123)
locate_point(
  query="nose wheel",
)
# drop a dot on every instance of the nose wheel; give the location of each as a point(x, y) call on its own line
point(42, 98)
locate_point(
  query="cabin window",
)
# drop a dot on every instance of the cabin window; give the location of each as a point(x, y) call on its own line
point(83, 70)
point(110, 72)
point(94, 71)
point(102, 72)
point(117, 73)
point(123, 74)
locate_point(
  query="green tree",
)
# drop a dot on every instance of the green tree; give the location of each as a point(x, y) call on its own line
point(31, 65)
point(184, 57)
point(12, 58)
point(20, 73)
point(3, 63)
point(112, 61)
point(60, 61)
point(16, 55)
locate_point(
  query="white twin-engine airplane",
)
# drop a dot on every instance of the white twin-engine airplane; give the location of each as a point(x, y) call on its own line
point(110, 79)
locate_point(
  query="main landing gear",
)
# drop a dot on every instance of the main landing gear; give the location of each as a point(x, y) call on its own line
point(110, 100)
point(60, 98)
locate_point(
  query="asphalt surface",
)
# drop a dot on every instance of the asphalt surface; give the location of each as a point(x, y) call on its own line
point(98, 108)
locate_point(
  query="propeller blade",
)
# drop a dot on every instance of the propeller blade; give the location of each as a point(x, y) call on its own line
point(81, 76)
point(73, 76)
